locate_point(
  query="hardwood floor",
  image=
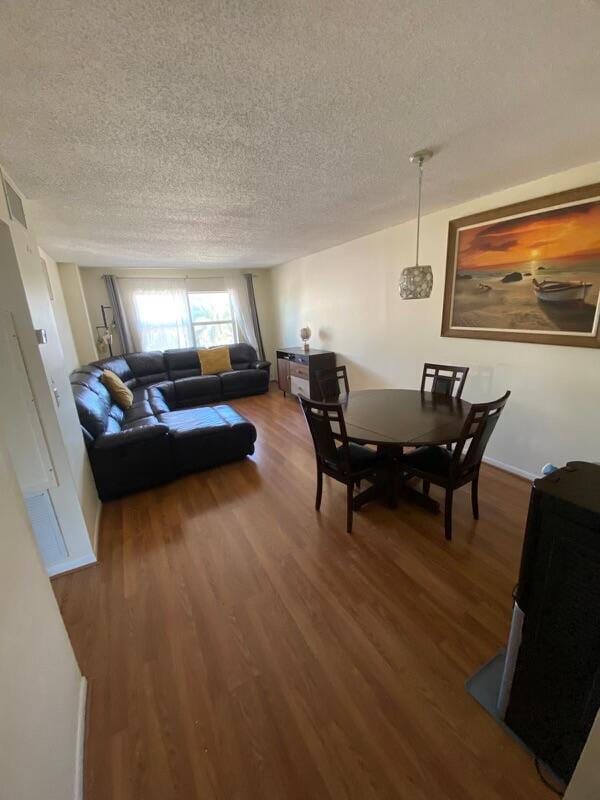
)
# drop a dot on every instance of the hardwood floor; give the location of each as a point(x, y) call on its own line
point(239, 644)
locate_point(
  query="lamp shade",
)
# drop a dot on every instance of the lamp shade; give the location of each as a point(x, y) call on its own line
point(416, 283)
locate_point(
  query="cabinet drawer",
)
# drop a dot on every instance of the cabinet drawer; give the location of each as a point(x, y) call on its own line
point(299, 370)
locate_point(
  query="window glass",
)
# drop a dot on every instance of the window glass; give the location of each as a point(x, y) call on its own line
point(212, 318)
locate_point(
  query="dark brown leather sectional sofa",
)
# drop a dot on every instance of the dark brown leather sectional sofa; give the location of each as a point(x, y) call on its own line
point(172, 428)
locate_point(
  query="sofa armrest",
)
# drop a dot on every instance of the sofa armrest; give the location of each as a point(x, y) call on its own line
point(161, 397)
point(141, 433)
point(266, 365)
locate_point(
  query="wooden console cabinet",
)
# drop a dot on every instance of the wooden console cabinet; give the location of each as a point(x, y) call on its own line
point(296, 370)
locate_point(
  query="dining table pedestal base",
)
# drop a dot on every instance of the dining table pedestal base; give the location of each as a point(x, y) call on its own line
point(404, 491)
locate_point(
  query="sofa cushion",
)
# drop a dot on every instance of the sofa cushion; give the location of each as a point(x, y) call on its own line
point(117, 413)
point(138, 411)
point(244, 381)
point(242, 355)
point(89, 376)
point(161, 397)
point(121, 394)
point(143, 422)
point(119, 366)
point(139, 393)
point(214, 360)
point(197, 391)
point(85, 374)
point(205, 437)
point(147, 367)
point(93, 409)
point(192, 421)
point(204, 421)
point(182, 363)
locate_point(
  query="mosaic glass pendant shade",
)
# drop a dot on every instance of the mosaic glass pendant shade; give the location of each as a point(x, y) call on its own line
point(416, 283)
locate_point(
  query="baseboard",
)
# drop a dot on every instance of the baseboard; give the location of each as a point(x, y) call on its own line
point(80, 741)
point(71, 565)
point(530, 476)
point(96, 533)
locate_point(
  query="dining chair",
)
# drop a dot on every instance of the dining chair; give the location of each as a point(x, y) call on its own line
point(341, 459)
point(444, 379)
point(455, 468)
point(329, 382)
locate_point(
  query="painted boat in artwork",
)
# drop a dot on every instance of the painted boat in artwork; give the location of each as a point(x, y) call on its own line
point(560, 291)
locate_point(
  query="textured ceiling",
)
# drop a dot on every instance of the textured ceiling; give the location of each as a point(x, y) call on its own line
point(222, 133)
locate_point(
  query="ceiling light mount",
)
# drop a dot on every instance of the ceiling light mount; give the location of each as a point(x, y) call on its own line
point(420, 157)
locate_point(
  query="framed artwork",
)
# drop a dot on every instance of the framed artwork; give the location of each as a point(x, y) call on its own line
point(529, 272)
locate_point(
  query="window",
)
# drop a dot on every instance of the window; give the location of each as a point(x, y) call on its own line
point(212, 318)
point(161, 318)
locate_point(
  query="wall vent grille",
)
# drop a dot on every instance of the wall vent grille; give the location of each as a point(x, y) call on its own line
point(14, 203)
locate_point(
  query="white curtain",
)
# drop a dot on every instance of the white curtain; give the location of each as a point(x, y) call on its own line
point(240, 303)
point(157, 312)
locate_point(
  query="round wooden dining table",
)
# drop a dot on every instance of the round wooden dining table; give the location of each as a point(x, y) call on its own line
point(403, 417)
point(394, 418)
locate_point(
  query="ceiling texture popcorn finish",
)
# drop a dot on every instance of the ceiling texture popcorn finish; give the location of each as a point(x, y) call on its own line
point(249, 133)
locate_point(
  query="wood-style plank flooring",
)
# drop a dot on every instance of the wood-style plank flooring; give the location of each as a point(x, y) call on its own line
point(239, 644)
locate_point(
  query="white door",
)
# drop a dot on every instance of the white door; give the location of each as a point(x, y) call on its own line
point(19, 416)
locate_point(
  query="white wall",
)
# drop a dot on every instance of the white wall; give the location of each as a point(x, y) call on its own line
point(40, 683)
point(349, 297)
point(60, 358)
point(95, 294)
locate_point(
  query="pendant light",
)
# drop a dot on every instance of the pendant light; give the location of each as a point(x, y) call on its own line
point(417, 282)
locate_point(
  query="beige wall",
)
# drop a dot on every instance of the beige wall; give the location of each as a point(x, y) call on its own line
point(95, 292)
point(349, 297)
point(40, 683)
point(81, 327)
point(585, 783)
point(61, 315)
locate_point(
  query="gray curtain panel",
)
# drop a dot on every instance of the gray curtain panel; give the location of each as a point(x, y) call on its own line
point(254, 313)
point(114, 296)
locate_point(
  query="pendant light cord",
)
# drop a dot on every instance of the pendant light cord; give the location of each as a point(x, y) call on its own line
point(419, 210)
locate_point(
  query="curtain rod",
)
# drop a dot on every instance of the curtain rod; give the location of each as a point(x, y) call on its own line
point(176, 277)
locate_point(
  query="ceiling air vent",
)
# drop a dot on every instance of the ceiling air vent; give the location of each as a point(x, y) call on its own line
point(14, 202)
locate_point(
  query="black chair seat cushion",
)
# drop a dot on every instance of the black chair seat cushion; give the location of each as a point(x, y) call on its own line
point(434, 460)
point(362, 458)
point(205, 437)
point(239, 382)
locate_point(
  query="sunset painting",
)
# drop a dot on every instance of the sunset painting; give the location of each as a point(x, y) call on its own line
point(531, 275)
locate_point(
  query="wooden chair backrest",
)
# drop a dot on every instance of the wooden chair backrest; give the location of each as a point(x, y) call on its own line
point(329, 382)
point(444, 379)
point(479, 426)
point(331, 447)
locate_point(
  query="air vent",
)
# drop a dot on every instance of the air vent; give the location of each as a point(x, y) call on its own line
point(14, 202)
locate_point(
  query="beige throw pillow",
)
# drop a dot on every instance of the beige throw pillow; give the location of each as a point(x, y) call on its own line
point(214, 360)
point(122, 396)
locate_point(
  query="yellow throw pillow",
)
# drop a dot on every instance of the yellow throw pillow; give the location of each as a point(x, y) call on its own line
point(122, 396)
point(214, 360)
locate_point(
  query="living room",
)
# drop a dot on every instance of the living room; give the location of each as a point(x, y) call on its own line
point(300, 312)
